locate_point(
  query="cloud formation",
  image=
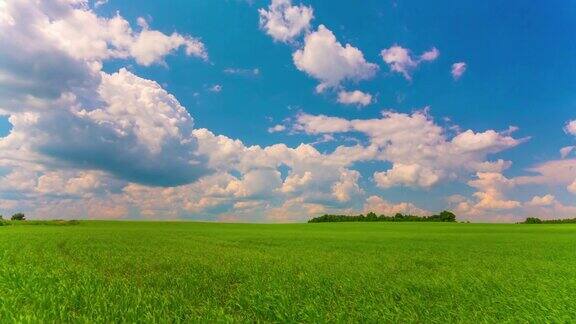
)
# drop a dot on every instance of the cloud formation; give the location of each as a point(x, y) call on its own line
point(355, 97)
point(284, 22)
point(545, 200)
point(111, 120)
point(400, 60)
point(87, 142)
point(382, 207)
point(458, 70)
point(570, 127)
point(325, 59)
point(419, 150)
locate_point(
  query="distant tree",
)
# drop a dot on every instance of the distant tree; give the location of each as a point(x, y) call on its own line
point(18, 217)
point(532, 220)
point(447, 216)
point(371, 216)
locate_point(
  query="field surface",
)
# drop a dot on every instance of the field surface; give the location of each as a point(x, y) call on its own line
point(367, 272)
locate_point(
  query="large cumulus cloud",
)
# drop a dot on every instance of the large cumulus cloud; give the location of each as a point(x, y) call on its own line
point(420, 151)
point(66, 112)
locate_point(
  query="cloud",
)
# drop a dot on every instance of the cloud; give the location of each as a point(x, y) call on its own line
point(256, 183)
point(554, 172)
point(490, 199)
point(100, 3)
point(67, 113)
point(570, 127)
point(150, 46)
point(247, 184)
point(554, 210)
point(420, 151)
point(68, 43)
point(347, 187)
point(284, 22)
point(321, 124)
point(312, 176)
point(407, 174)
point(244, 72)
point(491, 202)
point(458, 70)
point(325, 59)
point(430, 55)
point(382, 207)
point(79, 32)
point(491, 187)
point(355, 97)
point(91, 143)
point(546, 200)
point(401, 61)
point(572, 187)
point(489, 141)
point(295, 182)
point(565, 151)
point(136, 124)
point(276, 128)
point(295, 210)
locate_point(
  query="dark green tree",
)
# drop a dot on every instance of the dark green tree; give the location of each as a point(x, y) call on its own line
point(447, 216)
point(18, 217)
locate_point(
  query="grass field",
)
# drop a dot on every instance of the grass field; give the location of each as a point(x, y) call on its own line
point(408, 272)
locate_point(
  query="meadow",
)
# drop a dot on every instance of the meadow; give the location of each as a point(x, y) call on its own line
point(97, 271)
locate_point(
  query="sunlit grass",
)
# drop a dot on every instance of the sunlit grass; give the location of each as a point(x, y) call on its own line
point(415, 272)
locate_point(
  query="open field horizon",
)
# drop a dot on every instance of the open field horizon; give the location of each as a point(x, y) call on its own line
point(102, 271)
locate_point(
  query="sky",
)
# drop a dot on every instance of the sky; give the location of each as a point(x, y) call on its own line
point(279, 111)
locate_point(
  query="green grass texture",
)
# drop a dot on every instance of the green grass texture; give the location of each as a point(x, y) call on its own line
point(99, 271)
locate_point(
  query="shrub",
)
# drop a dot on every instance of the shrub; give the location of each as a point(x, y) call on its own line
point(18, 217)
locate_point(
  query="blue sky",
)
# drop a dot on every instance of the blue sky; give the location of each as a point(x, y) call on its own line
point(155, 111)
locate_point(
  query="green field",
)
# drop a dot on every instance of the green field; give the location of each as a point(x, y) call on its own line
point(391, 272)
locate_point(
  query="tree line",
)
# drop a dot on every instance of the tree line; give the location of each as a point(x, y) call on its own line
point(444, 216)
point(536, 220)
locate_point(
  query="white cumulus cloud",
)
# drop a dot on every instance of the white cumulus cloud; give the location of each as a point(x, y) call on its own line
point(67, 113)
point(325, 59)
point(420, 151)
point(400, 60)
point(545, 200)
point(565, 151)
point(283, 21)
point(382, 207)
point(355, 97)
point(570, 127)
